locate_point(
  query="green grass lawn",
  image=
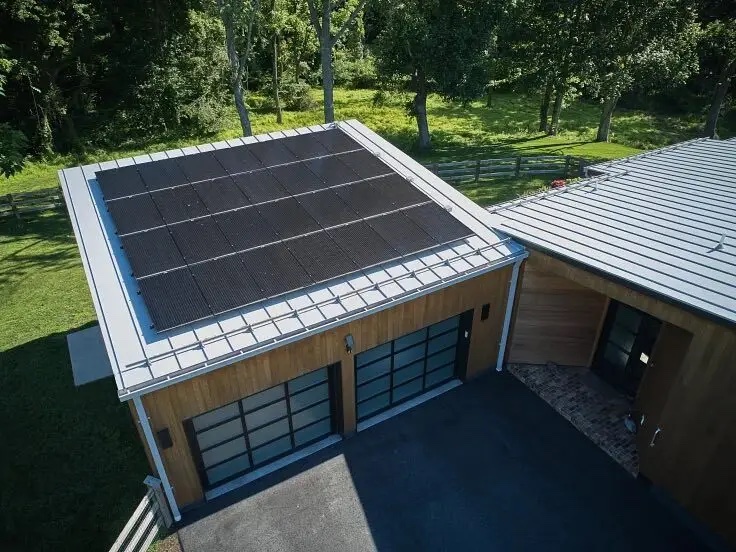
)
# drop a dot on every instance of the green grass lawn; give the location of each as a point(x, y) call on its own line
point(458, 132)
point(72, 468)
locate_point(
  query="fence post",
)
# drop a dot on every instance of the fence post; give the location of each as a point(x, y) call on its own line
point(435, 168)
point(581, 167)
point(154, 483)
point(567, 166)
point(518, 166)
point(477, 171)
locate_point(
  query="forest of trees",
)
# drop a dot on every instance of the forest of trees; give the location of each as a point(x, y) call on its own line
point(76, 74)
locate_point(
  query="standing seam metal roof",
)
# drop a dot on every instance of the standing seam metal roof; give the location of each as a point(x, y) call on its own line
point(664, 221)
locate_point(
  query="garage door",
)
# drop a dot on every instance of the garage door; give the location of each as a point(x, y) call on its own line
point(239, 437)
point(411, 365)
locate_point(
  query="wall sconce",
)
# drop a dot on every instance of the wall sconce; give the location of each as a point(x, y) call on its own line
point(349, 343)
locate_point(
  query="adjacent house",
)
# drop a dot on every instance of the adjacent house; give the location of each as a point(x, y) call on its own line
point(632, 273)
point(259, 299)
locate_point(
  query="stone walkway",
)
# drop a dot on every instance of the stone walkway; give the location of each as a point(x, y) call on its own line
point(588, 403)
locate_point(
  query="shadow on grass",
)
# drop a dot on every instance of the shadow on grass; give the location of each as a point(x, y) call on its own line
point(72, 471)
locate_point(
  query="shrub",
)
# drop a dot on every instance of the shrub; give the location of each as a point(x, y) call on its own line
point(296, 96)
point(352, 72)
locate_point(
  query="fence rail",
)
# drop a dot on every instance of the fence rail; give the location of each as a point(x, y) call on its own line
point(480, 169)
point(30, 202)
point(151, 516)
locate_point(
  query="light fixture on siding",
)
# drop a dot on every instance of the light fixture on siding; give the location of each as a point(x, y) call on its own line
point(349, 343)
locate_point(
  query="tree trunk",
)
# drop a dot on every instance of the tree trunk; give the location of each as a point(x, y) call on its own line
point(325, 44)
point(544, 108)
point(276, 99)
point(719, 95)
point(242, 109)
point(604, 128)
point(419, 105)
point(556, 110)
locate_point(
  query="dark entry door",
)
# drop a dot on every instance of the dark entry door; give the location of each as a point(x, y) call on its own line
point(626, 344)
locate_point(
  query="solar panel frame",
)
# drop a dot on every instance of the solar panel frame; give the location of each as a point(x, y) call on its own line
point(402, 233)
point(179, 204)
point(152, 251)
point(238, 159)
point(226, 284)
point(162, 174)
point(135, 213)
point(363, 244)
point(120, 182)
point(275, 269)
point(245, 228)
point(288, 218)
point(260, 186)
point(321, 256)
point(296, 178)
point(200, 166)
point(438, 222)
point(200, 240)
point(221, 194)
point(327, 208)
point(173, 299)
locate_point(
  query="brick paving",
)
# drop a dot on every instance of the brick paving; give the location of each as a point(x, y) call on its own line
point(588, 403)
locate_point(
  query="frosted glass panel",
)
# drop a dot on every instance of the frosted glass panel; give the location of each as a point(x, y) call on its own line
point(215, 416)
point(220, 433)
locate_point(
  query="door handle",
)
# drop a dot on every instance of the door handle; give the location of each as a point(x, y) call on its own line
point(655, 436)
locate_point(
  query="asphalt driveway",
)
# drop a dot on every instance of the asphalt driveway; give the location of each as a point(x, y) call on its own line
point(487, 466)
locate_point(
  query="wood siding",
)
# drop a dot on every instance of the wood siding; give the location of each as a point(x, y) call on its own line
point(695, 453)
point(556, 320)
point(169, 407)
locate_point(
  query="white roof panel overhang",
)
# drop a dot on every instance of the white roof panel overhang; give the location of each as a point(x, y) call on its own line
point(144, 360)
point(663, 222)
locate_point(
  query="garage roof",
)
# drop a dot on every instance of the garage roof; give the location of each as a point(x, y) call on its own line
point(144, 359)
point(662, 221)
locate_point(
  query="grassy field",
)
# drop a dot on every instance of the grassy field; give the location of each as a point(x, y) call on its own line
point(459, 132)
point(72, 468)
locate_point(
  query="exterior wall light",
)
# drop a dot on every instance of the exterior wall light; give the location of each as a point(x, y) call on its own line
point(349, 343)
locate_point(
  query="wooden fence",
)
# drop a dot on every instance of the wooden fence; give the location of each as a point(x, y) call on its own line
point(151, 516)
point(563, 166)
point(30, 202)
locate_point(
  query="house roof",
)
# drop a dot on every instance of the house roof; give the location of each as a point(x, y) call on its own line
point(662, 221)
point(144, 359)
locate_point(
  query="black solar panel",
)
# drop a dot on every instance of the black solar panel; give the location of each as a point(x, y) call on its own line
point(365, 164)
point(237, 160)
point(215, 231)
point(259, 186)
point(401, 233)
point(275, 269)
point(305, 146)
point(221, 194)
point(297, 178)
point(132, 214)
point(173, 299)
point(337, 141)
point(332, 171)
point(246, 228)
point(272, 152)
point(179, 204)
point(438, 223)
point(226, 284)
point(288, 217)
point(363, 199)
point(364, 245)
point(199, 240)
point(151, 251)
point(121, 182)
point(321, 257)
point(162, 174)
point(327, 208)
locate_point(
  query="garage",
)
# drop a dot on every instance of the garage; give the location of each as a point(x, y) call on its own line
point(237, 438)
point(404, 368)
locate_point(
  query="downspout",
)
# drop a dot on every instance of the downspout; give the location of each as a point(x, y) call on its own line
point(509, 311)
point(158, 462)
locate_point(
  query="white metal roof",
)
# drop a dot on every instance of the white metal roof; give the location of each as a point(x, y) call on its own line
point(143, 359)
point(663, 221)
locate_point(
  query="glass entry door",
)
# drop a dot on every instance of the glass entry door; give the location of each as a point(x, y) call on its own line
point(625, 346)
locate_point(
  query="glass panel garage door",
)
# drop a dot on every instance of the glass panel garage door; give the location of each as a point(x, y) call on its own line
point(234, 439)
point(406, 367)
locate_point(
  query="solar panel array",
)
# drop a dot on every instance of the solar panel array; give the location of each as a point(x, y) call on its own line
point(215, 231)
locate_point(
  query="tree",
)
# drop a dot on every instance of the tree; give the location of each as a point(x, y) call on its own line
point(321, 18)
point(650, 45)
point(437, 46)
point(720, 40)
point(240, 18)
point(13, 143)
